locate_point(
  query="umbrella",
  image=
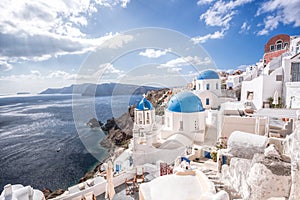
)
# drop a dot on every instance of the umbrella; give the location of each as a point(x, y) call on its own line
point(275, 98)
point(110, 190)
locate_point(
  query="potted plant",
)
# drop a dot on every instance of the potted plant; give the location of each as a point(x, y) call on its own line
point(221, 144)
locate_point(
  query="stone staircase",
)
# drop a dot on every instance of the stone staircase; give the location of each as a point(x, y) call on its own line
point(214, 177)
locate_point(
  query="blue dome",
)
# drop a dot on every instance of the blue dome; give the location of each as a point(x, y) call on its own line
point(144, 104)
point(185, 102)
point(208, 74)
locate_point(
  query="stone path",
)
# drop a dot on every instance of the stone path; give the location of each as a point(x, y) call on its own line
point(209, 172)
point(121, 194)
point(215, 178)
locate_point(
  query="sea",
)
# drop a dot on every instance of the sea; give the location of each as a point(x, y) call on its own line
point(41, 144)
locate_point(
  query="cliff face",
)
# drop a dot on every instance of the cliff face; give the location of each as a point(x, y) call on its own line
point(262, 177)
point(158, 99)
point(119, 131)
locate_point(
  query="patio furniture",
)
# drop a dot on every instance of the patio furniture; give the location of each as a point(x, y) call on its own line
point(139, 177)
point(130, 186)
point(163, 169)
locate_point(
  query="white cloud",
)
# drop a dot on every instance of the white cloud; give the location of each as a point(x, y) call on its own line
point(105, 72)
point(243, 67)
point(245, 28)
point(203, 39)
point(221, 13)
point(59, 74)
point(38, 30)
point(152, 53)
point(111, 3)
point(184, 61)
point(279, 11)
point(108, 68)
point(203, 2)
point(33, 75)
point(4, 66)
point(271, 23)
point(174, 69)
point(118, 41)
point(124, 3)
point(34, 81)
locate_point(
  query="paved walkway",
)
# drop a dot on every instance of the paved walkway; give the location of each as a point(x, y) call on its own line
point(120, 194)
point(213, 176)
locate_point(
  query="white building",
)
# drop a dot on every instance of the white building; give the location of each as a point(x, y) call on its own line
point(208, 88)
point(291, 85)
point(185, 115)
point(19, 192)
point(144, 130)
point(235, 81)
point(281, 76)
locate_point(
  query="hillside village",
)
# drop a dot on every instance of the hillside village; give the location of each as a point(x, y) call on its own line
point(224, 136)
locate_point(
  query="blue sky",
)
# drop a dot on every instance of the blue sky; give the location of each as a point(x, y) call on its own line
point(44, 44)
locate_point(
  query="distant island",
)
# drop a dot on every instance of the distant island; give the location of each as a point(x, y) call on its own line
point(20, 93)
point(105, 89)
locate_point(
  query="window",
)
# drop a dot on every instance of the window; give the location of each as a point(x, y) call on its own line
point(142, 134)
point(272, 47)
point(241, 79)
point(278, 77)
point(140, 118)
point(286, 45)
point(249, 95)
point(295, 72)
point(207, 101)
point(181, 125)
point(207, 86)
point(168, 121)
point(148, 118)
point(199, 86)
point(217, 86)
point(248, 103)
point(196, 125)
point(279, 45)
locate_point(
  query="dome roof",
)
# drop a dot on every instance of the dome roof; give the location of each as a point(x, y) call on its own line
point(185, 102)
point(208, 74)
point(144, 104)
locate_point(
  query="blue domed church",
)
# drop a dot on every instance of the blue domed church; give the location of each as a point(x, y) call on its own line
point(184, 115)
point(144, 130)
point(207, 86)
point(183, 125)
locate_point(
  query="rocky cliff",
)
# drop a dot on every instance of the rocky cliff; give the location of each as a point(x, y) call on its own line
point(119, 131)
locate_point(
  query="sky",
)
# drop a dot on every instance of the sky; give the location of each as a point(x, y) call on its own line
point(47, 43)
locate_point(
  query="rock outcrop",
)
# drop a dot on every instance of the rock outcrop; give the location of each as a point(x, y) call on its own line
point(258, 178)
point(293, 142)
point(256, 171)
point(245, 145)
point(119, 130)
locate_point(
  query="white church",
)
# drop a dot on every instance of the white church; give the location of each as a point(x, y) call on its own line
point(207, 86)
point(184, 121)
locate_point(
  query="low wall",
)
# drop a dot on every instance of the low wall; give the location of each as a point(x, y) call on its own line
point(98, 188)
point(206, 184)
point(191, 184)
point(245, 124)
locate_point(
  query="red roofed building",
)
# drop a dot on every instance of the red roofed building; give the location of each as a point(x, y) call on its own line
point(276, 46)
